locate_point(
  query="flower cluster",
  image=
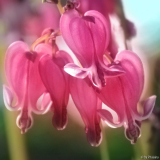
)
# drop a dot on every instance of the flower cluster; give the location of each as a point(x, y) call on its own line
point(42, 77)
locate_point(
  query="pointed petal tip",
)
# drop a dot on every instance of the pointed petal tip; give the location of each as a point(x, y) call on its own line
point(43, 104)
point(23, 130)
point(94, 136)
point(108, 118)
point(75, 70)
point(60, 121)
point(8, 98)
point(132, 134)
point(59, 126)
point(148, 106)
point(24, 123)
point(114, 71)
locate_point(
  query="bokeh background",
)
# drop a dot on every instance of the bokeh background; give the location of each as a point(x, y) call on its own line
point(24, 20)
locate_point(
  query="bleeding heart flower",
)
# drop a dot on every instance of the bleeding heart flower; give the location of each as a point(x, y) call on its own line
point(56, 82)
point(21, 67)
point(87, 104)
point(88, 38)
point(122, 95)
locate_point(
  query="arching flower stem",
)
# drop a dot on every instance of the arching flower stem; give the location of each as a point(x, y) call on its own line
point(39, 40)
point(60, 8)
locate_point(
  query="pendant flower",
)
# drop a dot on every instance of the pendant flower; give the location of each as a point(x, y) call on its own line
point(87, 104)
point(88, 38)
point(56, 82)
point(21, 68)
point(122, 95)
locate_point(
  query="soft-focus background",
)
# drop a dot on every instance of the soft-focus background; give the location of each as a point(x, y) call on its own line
point(24, 20)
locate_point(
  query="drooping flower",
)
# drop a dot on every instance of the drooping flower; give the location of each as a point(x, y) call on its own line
point(26, 87)
point(122, 95)
point(87, 104)
point(56, 82)
point(88, 38)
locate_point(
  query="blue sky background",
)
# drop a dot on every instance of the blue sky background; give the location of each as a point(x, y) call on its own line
point(146, 16)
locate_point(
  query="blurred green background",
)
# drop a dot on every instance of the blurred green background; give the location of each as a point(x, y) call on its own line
point(43, 141)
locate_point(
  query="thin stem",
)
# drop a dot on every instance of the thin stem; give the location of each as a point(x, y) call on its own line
point(59, 5)
point(138, 151)
point(109, 58)
point(103, 148)
point(39, 40)
point(16, 144)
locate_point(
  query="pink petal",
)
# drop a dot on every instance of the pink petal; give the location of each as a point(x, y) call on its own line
point(87, 104)
point(36, 87)
point(114, 70)
point(109, 118)
point(16, 66)
point(55, 82)
point(133, 81)
point(75, 70)
point(63, 57)
point(100, 31)
point(112, 96)
point(43, 104)
point(8, 98)
point(21, 66)
point(77, 36)
point(148, 106)
point(124, 91)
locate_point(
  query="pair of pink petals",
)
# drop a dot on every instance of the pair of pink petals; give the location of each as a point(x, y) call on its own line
point(21, 68)
point(123, 93)
point(56, 82)
point(34, 91)
point(120, 81)
point(88, 37)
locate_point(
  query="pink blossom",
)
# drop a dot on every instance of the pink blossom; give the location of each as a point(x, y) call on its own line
point(26, 87)
point(88, 38)
point(87, 104)
point(122, 95)
point(56, 82)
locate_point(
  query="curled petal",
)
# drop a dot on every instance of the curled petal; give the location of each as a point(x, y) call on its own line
point(113, 70)
point(75, 70)
point(148, 106)
point(8, 98)
point(43, 104)
point(109, 118)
